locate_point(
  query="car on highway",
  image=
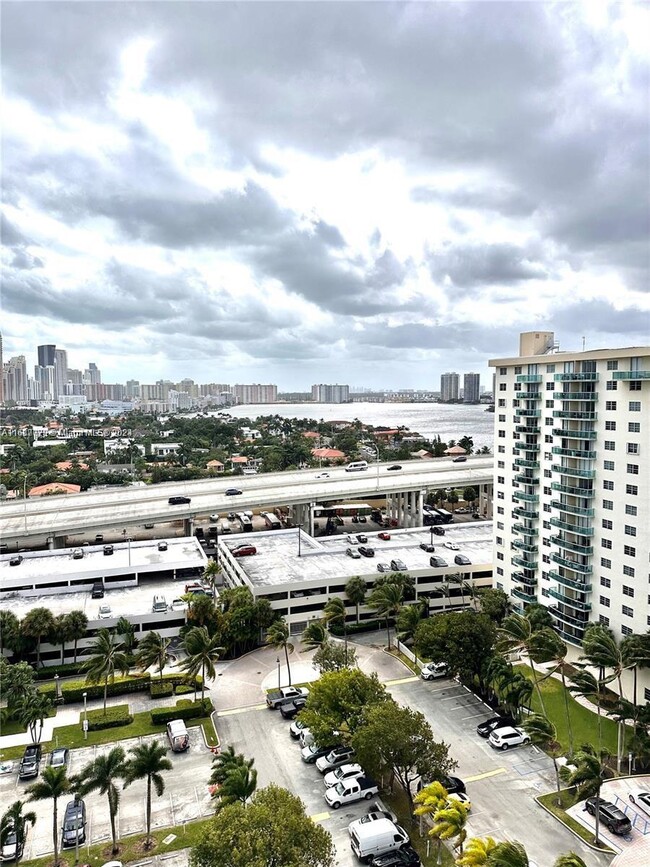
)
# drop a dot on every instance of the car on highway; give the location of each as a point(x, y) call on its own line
point(462, 560)
point(452, 546)
point(437, 562)
point(179, 501)
point(322, 476)
point(611, 816)
point(77, 554)
point(398, 566)
point(162, 546)
point(508, 736)
point(460, 459)
point(434, 669)
point(336, 757)
point(312, 753)
point(438, 531)
point(366, 552)
point(232, 492)
point(105, 612)
point(428, 547)
point(343, 772)
point(393, 468)
point(352, 552)
point(59, 758)
point(640, 798)
point(384, 536)
point(485, 728)
point(362, 538)
point(243, 550)
point(383, 567)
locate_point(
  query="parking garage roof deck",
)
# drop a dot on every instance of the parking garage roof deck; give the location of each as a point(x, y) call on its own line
point(277, 562)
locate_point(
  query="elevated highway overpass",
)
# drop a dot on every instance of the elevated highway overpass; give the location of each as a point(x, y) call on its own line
point(95, 511)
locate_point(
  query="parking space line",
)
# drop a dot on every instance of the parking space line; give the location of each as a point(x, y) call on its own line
point(237, 710)
point(494, 773)
point(320, 817)
point(411, 679)
point(473, 716)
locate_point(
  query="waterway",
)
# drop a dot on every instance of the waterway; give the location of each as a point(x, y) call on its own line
point(448, 421)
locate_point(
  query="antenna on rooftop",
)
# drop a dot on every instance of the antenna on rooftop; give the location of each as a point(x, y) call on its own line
point(584, 343)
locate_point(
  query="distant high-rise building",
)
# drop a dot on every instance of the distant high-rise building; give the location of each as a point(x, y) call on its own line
point(16, 379)
point(213, 388)
point(2, 374)
point(471, 387)
point(74, 385)
point(449, 386)
point(255, 393)
point(92, 376)
point(60, 372)
point(330, 393)
point(46, 355)
point(132, 388)
point(45, 377)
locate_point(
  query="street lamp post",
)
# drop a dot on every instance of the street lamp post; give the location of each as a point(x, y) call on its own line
point(277, 660)
point(85, 724)
point(25, 499)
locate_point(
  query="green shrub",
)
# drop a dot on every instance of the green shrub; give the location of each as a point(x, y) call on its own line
point(74, 690)
point(161, 690)
point(178, 678)
point(115, 716)
point(184, 688)
point(70, 668)
point(352, 628)
point(185, 709)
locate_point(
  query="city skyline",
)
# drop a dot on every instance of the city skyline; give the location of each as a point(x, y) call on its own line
point(276, 190)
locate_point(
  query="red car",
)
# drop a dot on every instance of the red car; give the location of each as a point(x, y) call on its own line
point(243, 550)
point(384, 536)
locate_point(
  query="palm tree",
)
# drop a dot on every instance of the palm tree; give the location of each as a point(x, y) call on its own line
point(635, 650)
point(152, 652)
point(477, 852)
point(517, 635)
point(61, 633)
point(429, 800)
point(107, 657)
point(543, 733)
point(147, 761)
point(584, 684)
point(38, 624)
point(314, 635)
point(459, 579)
point(587, 777)
point(239, 784)
point(517, 692)
point(355, 590)
point(335, 612)
point(548, 643)
point(53, 783)
point(34, 708)
point(278, 637)
point(100, 776)
point(510, 854)
point(450, 823)
point(203, 652)
point(569, 860)
point(211, 574)
point(14, 821)
point(602, 651)
point(409, 619)
point(78, 623)
point(9, 630)
point(387, 601)
point(126, 630)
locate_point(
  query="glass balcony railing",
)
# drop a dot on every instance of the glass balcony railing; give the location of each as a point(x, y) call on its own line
point(530, 465)
point(569, 582)
point(573, 471)
point(574, 434)
point(524, 579)
point(576, 414)
point(568, 563)
point(525, 547)
point(632, 374)
point(578, 604)
point(576, 377)
point(572, 528)
point(525, 564)
point(531, 514)
point(575, 395)
point(574, 453)
point(584, 511)
point(586, 550)
point(529, 395)
point(528, 413)
point(526, 480)
point(526, 447)
point(529, 498)
point(529, 377)
point(565, 617)
point(525, 531)
point(527, 429)
point(587, 493)
point(521, 594)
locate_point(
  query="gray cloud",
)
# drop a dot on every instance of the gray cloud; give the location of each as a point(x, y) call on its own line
point(472, 265)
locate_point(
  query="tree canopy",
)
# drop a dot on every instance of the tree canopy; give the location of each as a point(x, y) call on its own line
point(337, 703)
point(463, 639)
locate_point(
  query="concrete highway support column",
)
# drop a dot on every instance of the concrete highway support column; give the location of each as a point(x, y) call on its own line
point(420, 514)
point(188, 526)
point(54, 542)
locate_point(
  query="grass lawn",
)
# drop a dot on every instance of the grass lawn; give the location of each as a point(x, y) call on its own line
point(14, 727)
point(568, 799)
point(584, 722)
point(72, 736)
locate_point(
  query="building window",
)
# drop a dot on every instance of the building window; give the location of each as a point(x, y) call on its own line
point(610, 425)
point(499, 555)
point(501, 465)
point(503, 371)
point(500, 495)
point(606, 543)
point(605, 582)
point(610, 445)
point(502, 418)
point(628, 591)
point(550, 386)
point(605, 622)
point(610, 404)
point(634, 427)
point(500, 525)
point(629, 571)
point(548, 422)
point(500, 510)
point(517, 386)
point(635, 385)
point(502, 450)
point(605, 563)
point(630, 531)
point(627, 611)
point(633, 469)
point(611, 385)
point(607, 524)
point(635, 406)
point(547, 492)
point(612, 365)
point(502, 434)
point(517, 370)
point(626, 630)
point(550, 368)
point(503, 386)
point(502, 401)
point(630, 510)
point(608, 485)
point(608, 465)
point(608, 504)
point(633, 448)
point(632, 489)
point(548, 474)
point(501, 480)
point(549, 404)
point(604, 601)
point(548, 438)
point(546, 508)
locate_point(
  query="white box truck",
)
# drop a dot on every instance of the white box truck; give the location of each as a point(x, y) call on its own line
point(373, 838)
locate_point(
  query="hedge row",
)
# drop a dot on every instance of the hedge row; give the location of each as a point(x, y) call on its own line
point(70, 668)
point(73, 690)
point(161, 690)
point(115, 716)
point(353, 628)
point(185, 709)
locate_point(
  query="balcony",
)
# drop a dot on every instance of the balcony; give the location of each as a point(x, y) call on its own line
point(526, 447)
point(520, 512)
point(573, 471)
point(524, 579)
point(529, 498)
point(586, 550)
point(572, 510)
point(529, 395)
point(524, 546)
point(570, 601)
point(569, 637)
point(529, 465)
point(568, 563)
point(524, 429)
point(529, 413)
point(521, 594)
point(591, 376)
point(572, 528)
point(569, 582)
point(576, 414)
point(587, 493)
point(529, 377)
point(526, 480)
point(525, 564)
point(525, 531)
point(574, 434)
point(578, 622)
point(632, 374)
point(574, 453)
point(575, 395)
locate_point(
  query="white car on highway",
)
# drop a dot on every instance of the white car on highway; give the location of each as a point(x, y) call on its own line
point(322, 475)
point(452, 546)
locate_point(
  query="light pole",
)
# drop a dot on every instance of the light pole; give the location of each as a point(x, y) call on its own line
point(25, 499)
point(299, 534)
point(85, 724)
point(277, 660)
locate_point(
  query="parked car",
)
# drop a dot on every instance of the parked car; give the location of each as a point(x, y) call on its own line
point(374, 813)
point(286, 694)
point(507, 736)
point(312, 753)
point(485, 728)
point(460, 459)
point(437, 562)
point(640, 799)
point(438, 531)
point(384, 536)
point(428, 547)
point(434, 669)
point(610, 815)
point(290, 710)
point(343, 772)
point(453, 785)
point(148, 526)
point(178, 605)
point(16, 561)
point(243, 550)
point(362, 539)
point(12, 849)
point(108, 550)
point(459, 797)
point(99, 537)
point(98, 590)
point(352, 552)
point(322, 475)
point(404, 857)
point(214, 518)
point(232, 492)
point(74, 823)
point(394, 467)
point(162, 546)
point(398, 566)
point(30, 764)
point(452, 546)
point(296, 727)
point(383, 567)
point(337, 756)
point(462, 560)
point(363, 519)
point(105, 612)
point(366, 552)
point(60, 757)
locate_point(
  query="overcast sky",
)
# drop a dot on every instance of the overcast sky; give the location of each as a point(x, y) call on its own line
point(368, 193)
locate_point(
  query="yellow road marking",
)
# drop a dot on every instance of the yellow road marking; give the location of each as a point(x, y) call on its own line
point(494, 773)
point(241, 710)
point(401, 680)
point(320, 817)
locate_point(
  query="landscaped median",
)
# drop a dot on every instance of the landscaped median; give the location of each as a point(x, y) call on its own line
point(567, 799)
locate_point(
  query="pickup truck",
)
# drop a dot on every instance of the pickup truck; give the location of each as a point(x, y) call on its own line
point(349, 791)
point(284, 695)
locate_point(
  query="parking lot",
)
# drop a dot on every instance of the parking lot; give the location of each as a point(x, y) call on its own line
point(618, 792)
point(186, 796)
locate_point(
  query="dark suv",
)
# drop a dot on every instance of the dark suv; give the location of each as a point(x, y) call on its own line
point(486, 728)
point(31, 762)
point(74, 823)
point(610, 815)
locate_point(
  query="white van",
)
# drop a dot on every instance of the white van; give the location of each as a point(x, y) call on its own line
point(159, 605)
point(356, 466)
point(178, 735)
point(370, 838)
